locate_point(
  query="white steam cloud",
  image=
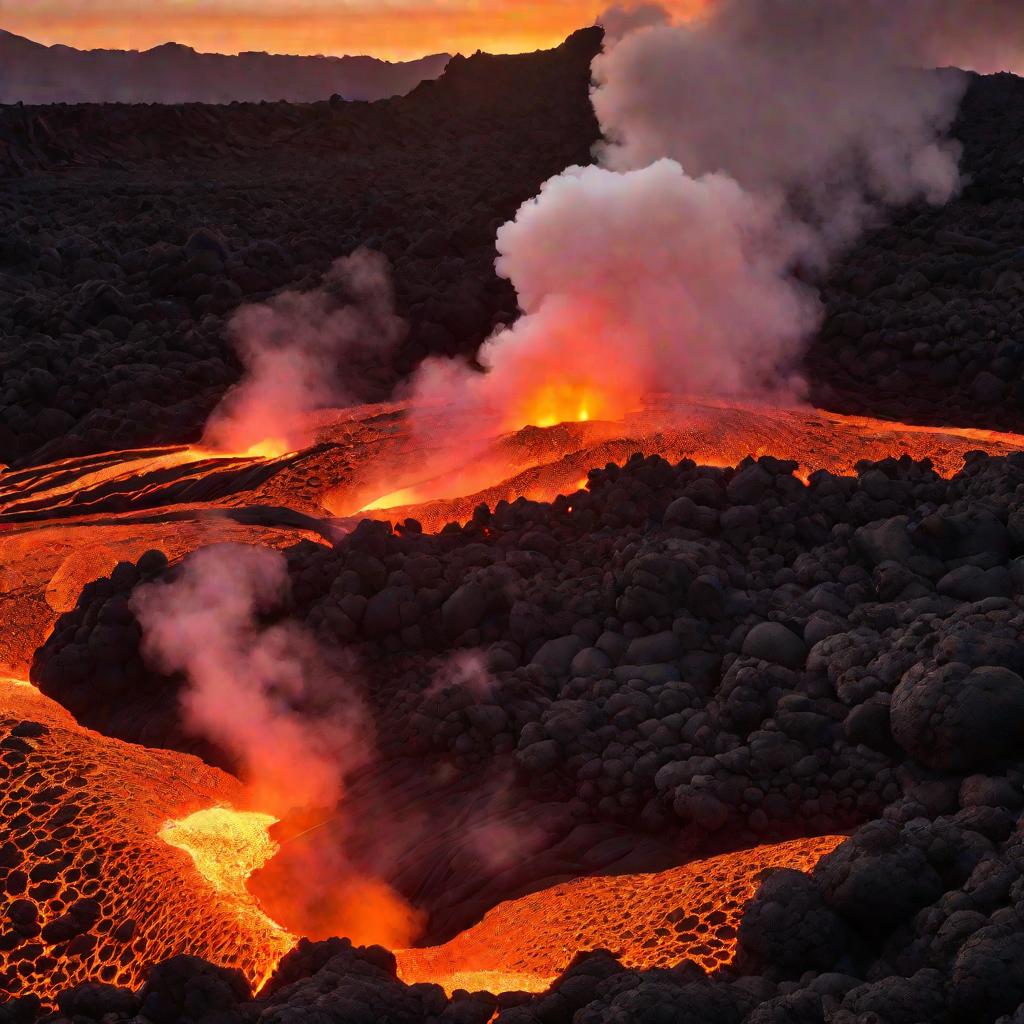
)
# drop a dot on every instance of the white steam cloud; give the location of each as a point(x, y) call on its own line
point(741, 150)
point(304, 351)
point(620, 20)
point(820, 101)
point(266, 694)
point(633, 281)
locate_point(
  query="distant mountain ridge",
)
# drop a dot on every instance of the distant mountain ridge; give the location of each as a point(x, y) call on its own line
point(172, 73)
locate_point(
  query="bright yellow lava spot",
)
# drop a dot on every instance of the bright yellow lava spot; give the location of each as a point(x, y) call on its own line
point(269, 448)
point(408, 496)
point(17, 681)
point(226, 845)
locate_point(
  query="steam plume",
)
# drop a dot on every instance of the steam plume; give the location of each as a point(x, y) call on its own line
point(620, 20)
point(304, 351)
point(822, 100)
point(268, 695)
point(629, 279)
point(287, 712)
point(742, 150)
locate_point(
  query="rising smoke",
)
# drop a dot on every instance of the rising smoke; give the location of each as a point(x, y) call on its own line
point(304, 351)
point(822, 102)
point(290, 716)
point(619, 20)
point(742, 151)
point(285, 711)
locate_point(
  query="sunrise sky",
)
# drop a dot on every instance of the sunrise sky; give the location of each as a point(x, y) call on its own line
point(393, 29)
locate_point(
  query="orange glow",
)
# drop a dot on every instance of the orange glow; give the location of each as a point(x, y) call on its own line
point(687, 913)
point(193, 884)
point(406, 496)
point(154, 836)
point(394, 31)
point(90, 813)
point(542, 463)
point(269, 448)
point(65, 524)
point(565, 403)
point(312, 891)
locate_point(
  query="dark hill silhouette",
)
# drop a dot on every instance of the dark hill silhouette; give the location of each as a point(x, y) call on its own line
point(172, 73)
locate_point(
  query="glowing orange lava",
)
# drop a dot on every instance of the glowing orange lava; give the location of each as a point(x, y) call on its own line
point(114, 857)
point(563, 403)
point(119, 857)
point(688, 913)
point(95, 893)
point(268, 448)
point(540, 464)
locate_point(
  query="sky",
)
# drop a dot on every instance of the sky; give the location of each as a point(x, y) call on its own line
point(392, 29)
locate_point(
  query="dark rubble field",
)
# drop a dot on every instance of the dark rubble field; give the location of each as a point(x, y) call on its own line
point(686, 660)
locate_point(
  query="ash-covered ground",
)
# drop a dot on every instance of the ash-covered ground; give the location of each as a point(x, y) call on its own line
point(678, 660)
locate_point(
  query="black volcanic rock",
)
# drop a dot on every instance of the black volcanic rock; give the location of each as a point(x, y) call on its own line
point(622, 707)
point(924, 320)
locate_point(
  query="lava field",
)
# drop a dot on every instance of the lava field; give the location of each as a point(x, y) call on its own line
point(705, 711)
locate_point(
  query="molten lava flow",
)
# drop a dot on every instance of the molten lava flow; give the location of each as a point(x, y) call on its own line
point(688, 913)
point(407, 496)
point(268, 448)
point(561, 403)
point(95, 893)
point(46, 567)
point(101, 884)
point(226, 845)
point(541, 464)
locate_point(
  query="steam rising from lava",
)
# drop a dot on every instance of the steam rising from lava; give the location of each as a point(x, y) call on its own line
point(303, 351)
point(265, 693)
point(742, 149)
point(287, 711)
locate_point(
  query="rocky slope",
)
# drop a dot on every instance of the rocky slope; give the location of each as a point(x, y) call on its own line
point(924, 319)
point(130, 235)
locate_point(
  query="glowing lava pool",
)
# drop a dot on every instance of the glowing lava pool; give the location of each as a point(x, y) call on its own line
point(103, 883)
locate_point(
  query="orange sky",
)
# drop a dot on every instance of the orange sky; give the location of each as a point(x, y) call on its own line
point(395, 29)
